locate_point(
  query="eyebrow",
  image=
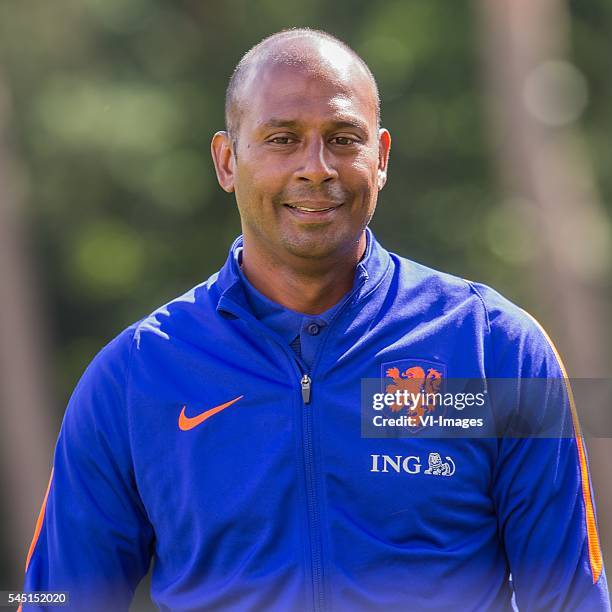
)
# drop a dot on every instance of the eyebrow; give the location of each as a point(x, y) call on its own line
point(293, 124)
point(279, 123)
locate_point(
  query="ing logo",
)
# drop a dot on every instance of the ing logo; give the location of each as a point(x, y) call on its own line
point(437, 467)
point(411, 464)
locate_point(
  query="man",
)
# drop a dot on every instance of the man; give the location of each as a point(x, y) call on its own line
point(220, 436)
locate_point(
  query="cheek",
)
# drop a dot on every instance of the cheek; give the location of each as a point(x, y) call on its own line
point(257, 180)
point(366, 165)
point(363, 174)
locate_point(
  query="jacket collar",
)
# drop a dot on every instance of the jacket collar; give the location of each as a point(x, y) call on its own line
point(370, 271)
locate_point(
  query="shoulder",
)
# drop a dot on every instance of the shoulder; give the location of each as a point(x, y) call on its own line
point(184, 317)
point(181, 314)
point(436, 294)
point(520, 344)
point(517, 343)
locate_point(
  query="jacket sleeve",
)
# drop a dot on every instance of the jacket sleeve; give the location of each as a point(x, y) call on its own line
point(93, 539)
point(541, 487)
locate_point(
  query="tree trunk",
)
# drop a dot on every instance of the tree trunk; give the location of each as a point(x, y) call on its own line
point(545, 169)
point(26, 436)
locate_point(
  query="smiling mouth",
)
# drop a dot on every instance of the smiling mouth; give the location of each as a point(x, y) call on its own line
point(311, 209)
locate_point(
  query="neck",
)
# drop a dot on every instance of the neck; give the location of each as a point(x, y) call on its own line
point(304, 285)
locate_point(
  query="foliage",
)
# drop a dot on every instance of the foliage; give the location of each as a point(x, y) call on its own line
point(115, 103)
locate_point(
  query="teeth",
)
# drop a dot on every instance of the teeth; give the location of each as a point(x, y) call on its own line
point(305, 209)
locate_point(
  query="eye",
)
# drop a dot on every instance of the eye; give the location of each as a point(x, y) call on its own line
point(282, 140)
point(343, 141)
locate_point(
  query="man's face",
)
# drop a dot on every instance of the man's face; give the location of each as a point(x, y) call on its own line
point(309, 160)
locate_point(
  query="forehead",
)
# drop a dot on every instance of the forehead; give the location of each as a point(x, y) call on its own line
point(321, 90)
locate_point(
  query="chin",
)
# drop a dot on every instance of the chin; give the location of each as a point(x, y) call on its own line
point(316, 247)
point(310, 250)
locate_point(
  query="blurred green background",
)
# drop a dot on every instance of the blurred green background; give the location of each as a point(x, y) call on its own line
point(114, 102)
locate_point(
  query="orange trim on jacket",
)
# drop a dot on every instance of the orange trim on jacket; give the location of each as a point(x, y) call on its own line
point(39, 522)
point(595, 557)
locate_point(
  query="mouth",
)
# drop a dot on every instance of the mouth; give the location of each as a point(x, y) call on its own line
point(308, 209)
point(313, 209)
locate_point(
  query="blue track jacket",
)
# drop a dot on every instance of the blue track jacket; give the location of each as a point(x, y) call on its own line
point(198, 441)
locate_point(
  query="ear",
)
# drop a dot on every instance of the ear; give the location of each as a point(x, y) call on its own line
point(384, 146)
point(224, 160)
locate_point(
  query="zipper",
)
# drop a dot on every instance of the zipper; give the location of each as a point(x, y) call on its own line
point(311, 495)
point(316, 546)
point(306, 386)
point(314, 521)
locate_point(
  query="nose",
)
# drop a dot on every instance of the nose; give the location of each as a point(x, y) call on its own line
point(316, 167)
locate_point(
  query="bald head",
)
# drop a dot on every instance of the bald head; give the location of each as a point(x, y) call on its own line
point(303, 49)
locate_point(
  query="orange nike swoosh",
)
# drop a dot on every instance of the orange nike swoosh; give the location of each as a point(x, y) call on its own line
point(186, 423)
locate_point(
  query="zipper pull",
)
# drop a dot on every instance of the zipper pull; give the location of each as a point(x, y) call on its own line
point(306, 382)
